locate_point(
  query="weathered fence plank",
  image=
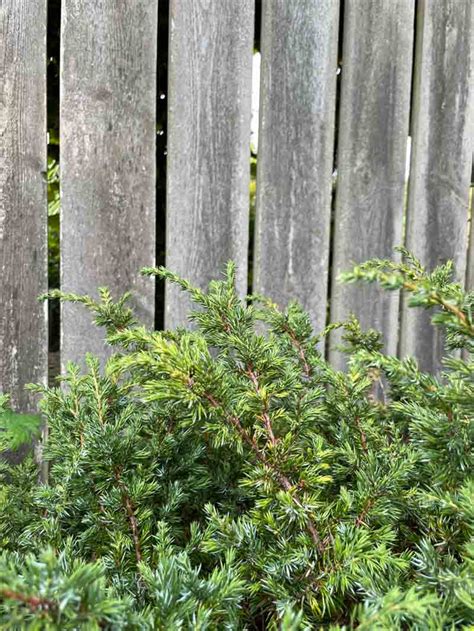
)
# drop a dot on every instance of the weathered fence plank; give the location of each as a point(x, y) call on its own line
point(441, 155)
point(108, 104)
point(295, 158)
point(23, 211)
point(210, 68)
point(470, 253)
point(371, 155)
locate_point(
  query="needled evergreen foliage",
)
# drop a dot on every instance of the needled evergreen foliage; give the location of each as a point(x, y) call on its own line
point(226, 477)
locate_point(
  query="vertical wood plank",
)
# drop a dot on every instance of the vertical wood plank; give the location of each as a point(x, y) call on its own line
point(470, 253)
point(23, 210)
point(442, 123)
point(210, 67)
point(295, 160)
point(371, 159)
point(108, 104)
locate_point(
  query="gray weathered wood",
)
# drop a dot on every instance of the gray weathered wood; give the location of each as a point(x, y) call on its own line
point(210, 68)
point(295, 157)
point(23, 211)
point(441, 156)
point(470, 254)
point(108, 90)
point(371, 155)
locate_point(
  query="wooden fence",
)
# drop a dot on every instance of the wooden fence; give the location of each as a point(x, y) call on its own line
point(343, 88)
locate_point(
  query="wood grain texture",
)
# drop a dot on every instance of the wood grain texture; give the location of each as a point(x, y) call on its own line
point(108, 102)
point(210, 68)
point(295, 158)
point(371, 158)
point(23, 209)
point(470, 254)
point(441, 156)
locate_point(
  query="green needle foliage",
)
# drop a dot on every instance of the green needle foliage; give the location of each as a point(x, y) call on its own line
point(16, 429)
point(227, 477)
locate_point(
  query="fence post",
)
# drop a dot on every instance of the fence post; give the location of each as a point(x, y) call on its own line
point(108, 105)
point(295, 156)
point(23, 205)
point(371, 156)
point(442, 130)
point(210, 73)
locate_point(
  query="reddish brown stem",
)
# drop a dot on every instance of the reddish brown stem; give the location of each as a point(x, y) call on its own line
point(225, 324)
point(100, 408)
point(277, 474)
point(447, 306)
point(298, 346)
point(34, 602)
point(265, 415)
point(363, 514)
point(363, 437)
point(129, 508)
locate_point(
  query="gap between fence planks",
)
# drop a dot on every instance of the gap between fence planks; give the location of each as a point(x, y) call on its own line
point(210, 81)
point(23, 205)
point(108, 105)
point(295, 157)
point(371, 157)
point(442, 128)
